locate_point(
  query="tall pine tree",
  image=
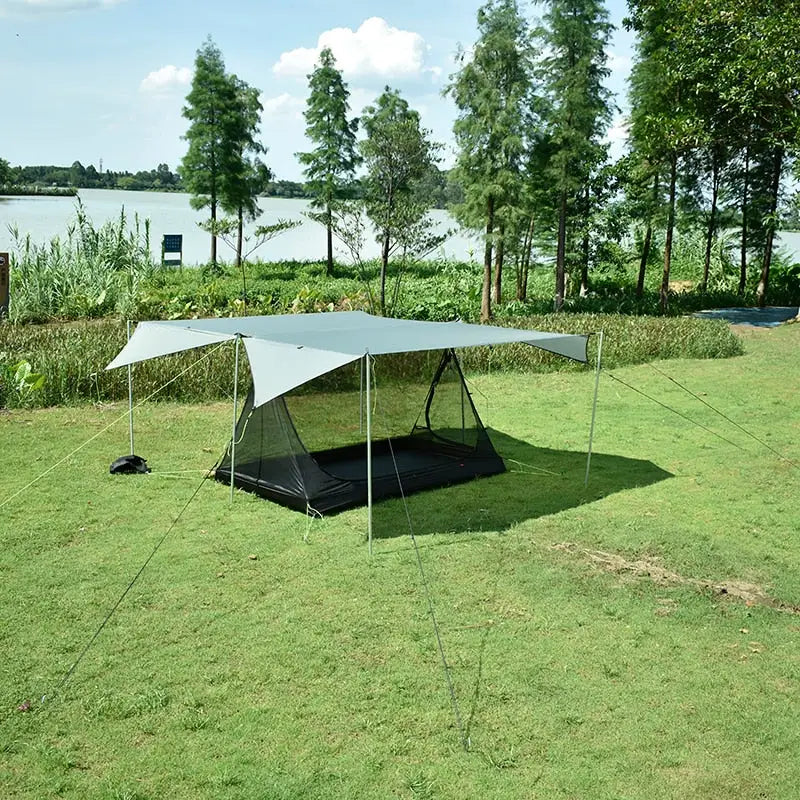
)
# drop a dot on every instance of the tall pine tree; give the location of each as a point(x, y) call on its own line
point(576, 36)
point(247, 176)
point(491, 91)
point(330, 166)
point(211, 153)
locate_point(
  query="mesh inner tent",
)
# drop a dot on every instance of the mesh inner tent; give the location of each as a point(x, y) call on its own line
point(307, 449)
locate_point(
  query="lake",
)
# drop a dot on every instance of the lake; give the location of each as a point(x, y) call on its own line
point(170, 212)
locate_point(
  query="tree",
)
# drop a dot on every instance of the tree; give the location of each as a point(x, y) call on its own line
point(398, 158)
point(211, 153)
point(577, 33)
point(330, 166)
point(491, 91)
point(663, 123)
point(246, 176)
point(5, 172)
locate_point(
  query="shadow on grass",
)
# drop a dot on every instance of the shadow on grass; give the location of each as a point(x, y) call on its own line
point(539, 481)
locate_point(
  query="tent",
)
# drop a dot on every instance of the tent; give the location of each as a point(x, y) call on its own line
point(287, 351)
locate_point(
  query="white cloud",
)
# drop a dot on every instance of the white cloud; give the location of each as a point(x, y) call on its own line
point(376, 48)
point(166, 78)
point(284, 105)
point(617, 136)
point(52, 6)
point(617, 62)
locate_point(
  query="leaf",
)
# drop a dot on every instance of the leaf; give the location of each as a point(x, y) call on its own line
point(22, 370)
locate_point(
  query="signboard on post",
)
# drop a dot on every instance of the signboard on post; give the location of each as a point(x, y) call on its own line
point(4, 284)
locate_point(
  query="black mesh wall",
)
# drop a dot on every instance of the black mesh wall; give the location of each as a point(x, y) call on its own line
point(308, 450)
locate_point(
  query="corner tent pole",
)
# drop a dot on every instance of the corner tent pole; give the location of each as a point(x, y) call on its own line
point(235, 404)
point(369, 452)
point(130, 395)
point(361, 400)
point(594, 407)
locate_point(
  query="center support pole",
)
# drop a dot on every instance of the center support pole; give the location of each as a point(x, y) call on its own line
point(368, 370)
point(130, 395)
point(235, 404)
point(594, 407)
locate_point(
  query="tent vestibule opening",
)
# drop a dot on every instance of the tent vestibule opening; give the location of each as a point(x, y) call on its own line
point(284, 447)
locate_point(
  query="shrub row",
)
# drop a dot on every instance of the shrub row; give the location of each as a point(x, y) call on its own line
point(72, 357)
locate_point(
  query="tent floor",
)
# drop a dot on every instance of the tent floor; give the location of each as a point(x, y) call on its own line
point(338, 477)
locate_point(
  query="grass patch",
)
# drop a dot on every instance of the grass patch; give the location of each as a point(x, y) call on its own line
point(72, 357)
point(311, 671)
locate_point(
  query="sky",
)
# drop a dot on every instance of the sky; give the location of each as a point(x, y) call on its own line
point(85, 80)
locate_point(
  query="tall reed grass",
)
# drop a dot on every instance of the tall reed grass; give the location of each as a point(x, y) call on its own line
point(72, 357)
point(90, 273)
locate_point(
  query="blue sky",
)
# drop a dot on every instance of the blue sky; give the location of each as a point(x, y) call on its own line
point(106, 79)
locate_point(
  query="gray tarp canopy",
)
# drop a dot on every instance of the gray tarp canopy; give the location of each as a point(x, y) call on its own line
point(287, 350)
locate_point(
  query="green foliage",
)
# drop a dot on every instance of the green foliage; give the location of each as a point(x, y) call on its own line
point(19, 382)
point(220, 111)
point(576, 35)
point(492, 91)
point(90, 273)
point(397, 156)
point(329, 168)
point(50, 178)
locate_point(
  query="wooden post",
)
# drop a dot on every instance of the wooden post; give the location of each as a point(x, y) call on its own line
point(4, 284)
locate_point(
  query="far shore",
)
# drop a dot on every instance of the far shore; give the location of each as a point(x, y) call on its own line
point(38, 191)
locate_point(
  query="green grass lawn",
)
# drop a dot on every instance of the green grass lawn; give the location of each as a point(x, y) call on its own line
point(635, 639)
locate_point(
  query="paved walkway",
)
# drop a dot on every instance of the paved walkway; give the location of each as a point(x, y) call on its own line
point(768, 317)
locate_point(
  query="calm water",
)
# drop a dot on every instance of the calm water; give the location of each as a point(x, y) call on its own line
point(44, 217)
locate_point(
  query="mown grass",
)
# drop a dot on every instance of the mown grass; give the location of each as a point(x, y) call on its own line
point(311, 670)
point(73, 356)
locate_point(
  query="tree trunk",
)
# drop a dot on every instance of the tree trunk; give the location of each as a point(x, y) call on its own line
point(329, 234)
point(213, 235)
point(774, 190)
point(239, 237)
point(648, 241)
point(239, 262)
point(712, 219)
point(664, 295)
point(745, 203)
point(561, 252)
point(498, 266)
point(384, 267)
point(527, 249)
point(584, 291)
point(486, 298)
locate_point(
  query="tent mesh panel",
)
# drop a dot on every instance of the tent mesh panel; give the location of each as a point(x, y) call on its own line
point(307, 449)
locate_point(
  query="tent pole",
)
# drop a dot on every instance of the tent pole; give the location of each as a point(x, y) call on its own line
point(369, 453)
point(594, 407)
point(361, 400)
point(235, 404)
point(130, 395)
